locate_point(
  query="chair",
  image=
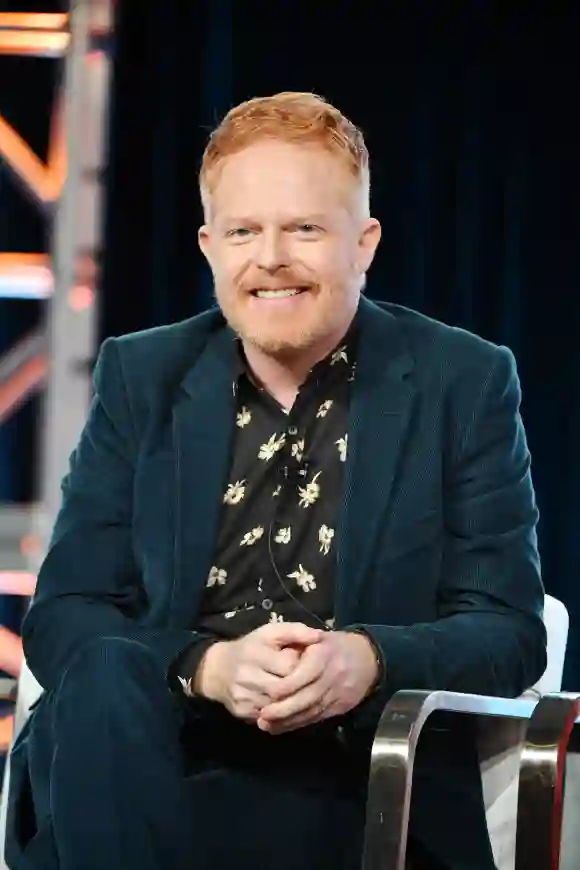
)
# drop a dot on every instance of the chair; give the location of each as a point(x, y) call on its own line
point(510, 732)
point(521, 745)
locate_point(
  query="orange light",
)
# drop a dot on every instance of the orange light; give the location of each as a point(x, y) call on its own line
point(21, 43)
point(10, 261)
point(30, 33)
point(43, 180)
point(33, 20)
point(25, 276)
point(21, 383)
point(29, 545)
point(56, 163)
point(81, 297)
point(17, 583)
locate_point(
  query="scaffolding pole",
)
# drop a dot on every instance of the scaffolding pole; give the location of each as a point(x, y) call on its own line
point(83, 38)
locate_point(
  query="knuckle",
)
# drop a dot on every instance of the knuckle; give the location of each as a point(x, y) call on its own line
point(238, 695)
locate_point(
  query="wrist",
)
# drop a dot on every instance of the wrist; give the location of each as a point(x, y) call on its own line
point(208, 679)
point(372, 657)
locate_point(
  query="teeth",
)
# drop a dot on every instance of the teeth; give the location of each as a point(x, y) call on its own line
point(277, 294)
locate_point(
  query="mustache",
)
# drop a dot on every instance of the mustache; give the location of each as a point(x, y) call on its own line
point(278, 284)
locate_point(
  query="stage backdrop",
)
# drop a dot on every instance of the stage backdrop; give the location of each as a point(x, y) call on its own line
point(471, 117)
point(471, 114)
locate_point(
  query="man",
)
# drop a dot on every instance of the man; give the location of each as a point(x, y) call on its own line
point(279, 513)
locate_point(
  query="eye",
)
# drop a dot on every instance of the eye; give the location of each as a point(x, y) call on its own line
point(238, 232)
point(311, 231)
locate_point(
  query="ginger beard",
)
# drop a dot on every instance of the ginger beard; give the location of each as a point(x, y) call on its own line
point(284, 326)
point(287, 245)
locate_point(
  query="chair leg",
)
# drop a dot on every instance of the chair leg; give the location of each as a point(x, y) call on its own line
point(541, 785)
point(393, 757)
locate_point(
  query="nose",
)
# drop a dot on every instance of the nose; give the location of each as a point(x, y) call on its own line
point(272, 253)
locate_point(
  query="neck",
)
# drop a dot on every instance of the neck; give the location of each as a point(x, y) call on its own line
point(282, 376)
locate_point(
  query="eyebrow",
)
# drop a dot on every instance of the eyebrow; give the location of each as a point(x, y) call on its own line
point(230, 220)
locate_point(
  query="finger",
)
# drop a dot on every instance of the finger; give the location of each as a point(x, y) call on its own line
point(257, 681)
point(250, 694)
point(283, 634)
point(310, 668)
point(276, 662)
point(317, 713)
point(287, 660)
point(311, 696)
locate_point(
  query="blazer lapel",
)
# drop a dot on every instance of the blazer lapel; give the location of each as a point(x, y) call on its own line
point(202, 433)
point(380, 411)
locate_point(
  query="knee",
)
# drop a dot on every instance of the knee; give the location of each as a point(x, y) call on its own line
point(105, 667)
point(111, 684)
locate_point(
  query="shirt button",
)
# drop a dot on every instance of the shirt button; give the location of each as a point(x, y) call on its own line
point(292, 430)
point(267, 604)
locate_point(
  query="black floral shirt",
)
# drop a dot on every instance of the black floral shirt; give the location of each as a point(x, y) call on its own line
point(275, 554)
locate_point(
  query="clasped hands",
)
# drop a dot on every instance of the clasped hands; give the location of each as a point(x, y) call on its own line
point(284, 676)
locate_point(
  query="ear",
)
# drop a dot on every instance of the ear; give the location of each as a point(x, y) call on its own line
point(368, 243)
point(203, 240)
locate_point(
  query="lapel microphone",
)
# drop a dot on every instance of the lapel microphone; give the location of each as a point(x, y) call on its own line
point(296, 474)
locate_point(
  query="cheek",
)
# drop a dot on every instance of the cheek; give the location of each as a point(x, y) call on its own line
point(330, 265)
point(230, 269)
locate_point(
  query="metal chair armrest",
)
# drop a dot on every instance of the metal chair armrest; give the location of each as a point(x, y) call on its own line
point(392, 761)
point(541, 787)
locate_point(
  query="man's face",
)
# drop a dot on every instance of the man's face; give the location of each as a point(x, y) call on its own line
point(287, 246)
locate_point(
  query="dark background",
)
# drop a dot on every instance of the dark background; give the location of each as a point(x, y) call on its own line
point(470, 111)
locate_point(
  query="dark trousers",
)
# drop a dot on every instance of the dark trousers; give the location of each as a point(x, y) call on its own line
point(125, 775)
point(113, 771)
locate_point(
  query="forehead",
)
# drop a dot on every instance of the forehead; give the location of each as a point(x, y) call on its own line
point(272, 177)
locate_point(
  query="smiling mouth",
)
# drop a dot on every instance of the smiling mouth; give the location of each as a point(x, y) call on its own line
point(282, 293)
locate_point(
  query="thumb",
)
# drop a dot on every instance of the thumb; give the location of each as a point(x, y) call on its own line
point(282, 634)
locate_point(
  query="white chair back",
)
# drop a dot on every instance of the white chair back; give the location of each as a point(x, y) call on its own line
point(500, 761)
point(557, 622)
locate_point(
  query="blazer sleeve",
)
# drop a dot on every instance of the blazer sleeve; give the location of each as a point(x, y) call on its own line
point(489, 637)
point(89, 585)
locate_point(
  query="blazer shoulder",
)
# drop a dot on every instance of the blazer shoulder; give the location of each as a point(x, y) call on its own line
point(450, 350)
point(154, 361)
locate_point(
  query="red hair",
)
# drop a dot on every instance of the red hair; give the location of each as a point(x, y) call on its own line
point(289, 117)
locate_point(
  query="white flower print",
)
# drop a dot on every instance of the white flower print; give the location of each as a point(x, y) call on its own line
point(268, 450)
point(277, 491)
point(284, 536)
point(187, 686)
point(298, 450)
point(339, 355)
point(352, 375)
point(275, 617)
point(325, 536)
point(216, 577)
point(231, 613)
point(324, 409)
point(342, 445)
point(330, 623)
point(309, 493)
point(250, 538)
point(305, 580)
point(235, 492)
point(243, 417)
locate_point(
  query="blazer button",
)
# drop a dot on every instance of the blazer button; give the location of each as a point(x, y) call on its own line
point(267, 604)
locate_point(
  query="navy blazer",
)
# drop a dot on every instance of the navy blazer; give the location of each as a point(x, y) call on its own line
point(437, 554)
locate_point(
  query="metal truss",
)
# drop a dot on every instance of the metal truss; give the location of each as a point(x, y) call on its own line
point(67, 189)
